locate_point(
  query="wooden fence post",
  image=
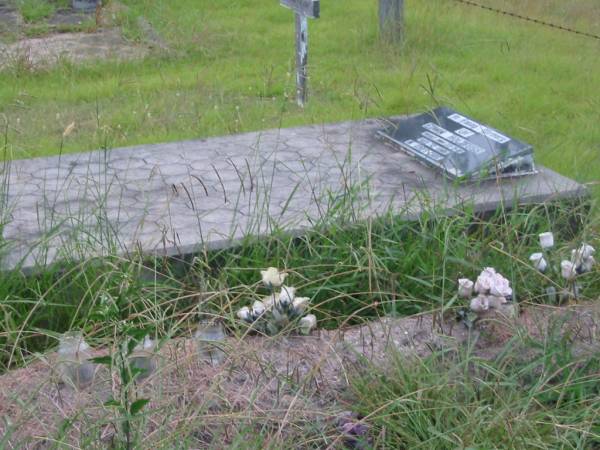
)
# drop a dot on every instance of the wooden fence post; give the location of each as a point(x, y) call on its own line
point(391, 20)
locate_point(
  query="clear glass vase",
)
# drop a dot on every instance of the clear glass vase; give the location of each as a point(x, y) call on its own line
point(143, 359)
point(210, 339)
point(73, 363)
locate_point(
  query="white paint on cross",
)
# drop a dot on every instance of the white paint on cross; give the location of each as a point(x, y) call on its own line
point(303, 10)
point(308, 8)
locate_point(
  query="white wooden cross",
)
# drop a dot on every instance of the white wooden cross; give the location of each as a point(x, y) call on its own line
point(303, 9)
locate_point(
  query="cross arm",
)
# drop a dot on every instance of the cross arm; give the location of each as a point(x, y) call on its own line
point(308, 8)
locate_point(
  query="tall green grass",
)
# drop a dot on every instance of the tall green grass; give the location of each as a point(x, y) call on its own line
point(352, 271)
point(35, 10)
point(546, 399)
point(230, 71)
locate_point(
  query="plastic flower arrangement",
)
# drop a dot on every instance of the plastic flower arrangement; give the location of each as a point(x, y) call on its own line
point(272, 277)
point(278, 310)
point(568, 270)
point(490, 291)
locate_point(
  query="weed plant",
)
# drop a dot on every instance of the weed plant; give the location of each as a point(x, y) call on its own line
point(35, 10)
point(351, 272)
point(537, 393)
point(353, 269)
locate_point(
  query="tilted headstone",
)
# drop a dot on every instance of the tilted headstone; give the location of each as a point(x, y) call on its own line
point(459, 146)
point(303, 10)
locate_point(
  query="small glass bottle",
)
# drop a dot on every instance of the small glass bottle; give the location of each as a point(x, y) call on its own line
point(210, 338)
point(73, 363)
point(143, 359)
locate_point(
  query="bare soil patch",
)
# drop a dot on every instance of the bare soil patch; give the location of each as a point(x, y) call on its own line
point(75, 47)
point(281, 383)
point(70, 35)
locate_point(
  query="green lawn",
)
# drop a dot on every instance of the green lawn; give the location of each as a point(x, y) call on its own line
point(231, 70)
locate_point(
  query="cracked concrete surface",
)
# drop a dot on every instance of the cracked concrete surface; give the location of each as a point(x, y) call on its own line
point(173, 198)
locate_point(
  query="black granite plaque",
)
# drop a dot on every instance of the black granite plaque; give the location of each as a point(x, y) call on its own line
point(459, 146)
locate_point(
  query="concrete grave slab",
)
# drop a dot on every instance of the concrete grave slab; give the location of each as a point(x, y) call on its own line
point(173, 198)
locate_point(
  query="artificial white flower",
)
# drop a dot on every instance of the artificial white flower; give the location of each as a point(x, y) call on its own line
point(244, 314)
point(500, 286)
point(491, 282)
point(496, 301)
point(465, 288)
point(485, 280)
point(568, 270)
point(586, 251)
point(588, 264)
point(489, 271)
point(258, 308)
point(286, 296)
point(538, 261)
point(583, 258)
point(268, 301)
point(480, 304)
point(307, 323)
point(546, 240)
point(272, 277)
point(300, 304)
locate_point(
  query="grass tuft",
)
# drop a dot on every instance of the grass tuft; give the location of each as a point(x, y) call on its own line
point(35, 10)
point(535, 394)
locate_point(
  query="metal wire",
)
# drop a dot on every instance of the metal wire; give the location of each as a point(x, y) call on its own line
point(528, 19)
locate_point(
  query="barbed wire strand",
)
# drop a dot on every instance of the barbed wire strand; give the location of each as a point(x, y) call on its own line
point(528, 19)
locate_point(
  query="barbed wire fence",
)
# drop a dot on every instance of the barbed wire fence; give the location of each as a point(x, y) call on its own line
point(528, 19)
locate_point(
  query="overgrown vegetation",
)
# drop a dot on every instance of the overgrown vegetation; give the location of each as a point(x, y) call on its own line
point(545, 400)
point(230, 70)
point(350, 271)
point(35, 10)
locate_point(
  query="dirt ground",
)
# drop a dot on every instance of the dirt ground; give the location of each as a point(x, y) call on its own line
point(106, 41)
point(280, 382)
point(75, 47)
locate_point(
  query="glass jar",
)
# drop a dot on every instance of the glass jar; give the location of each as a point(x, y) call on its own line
point(73, 363)
point(210, 339)
point(143, 359)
